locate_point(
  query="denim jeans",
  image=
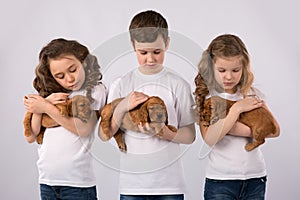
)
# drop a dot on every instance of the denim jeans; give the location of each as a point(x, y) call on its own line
point(67, 193)
point(250, 189)
point(152, 197)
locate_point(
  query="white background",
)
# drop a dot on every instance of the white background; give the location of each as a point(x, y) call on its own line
point(269, 28)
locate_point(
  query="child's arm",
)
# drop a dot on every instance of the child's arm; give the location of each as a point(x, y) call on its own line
point(75, 125)
point(240, 129)
point(184, 135)
point(35, 121)
point(130, 102)
point(214, 133)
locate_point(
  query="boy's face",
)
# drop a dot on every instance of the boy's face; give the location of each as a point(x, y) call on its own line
point(151, 55)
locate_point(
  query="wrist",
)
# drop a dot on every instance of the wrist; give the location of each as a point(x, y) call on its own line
point(48, 107)
point(161, 133)
point(235, 110)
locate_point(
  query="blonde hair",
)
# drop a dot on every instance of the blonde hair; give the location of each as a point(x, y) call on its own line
point(223, 46)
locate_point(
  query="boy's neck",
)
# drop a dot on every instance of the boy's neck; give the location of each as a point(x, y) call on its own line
point(147, 71)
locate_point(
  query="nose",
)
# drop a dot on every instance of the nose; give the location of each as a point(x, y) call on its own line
point(70, 78)
point(228, 75)
point(150, 57)
point(159, 116)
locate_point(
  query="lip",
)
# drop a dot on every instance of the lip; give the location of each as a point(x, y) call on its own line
point(227, 83)
point(73, 86)
point(151, 65)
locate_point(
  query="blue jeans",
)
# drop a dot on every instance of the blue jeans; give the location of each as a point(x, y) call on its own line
point(152, 197)
point(67, 193)
point(250, 189)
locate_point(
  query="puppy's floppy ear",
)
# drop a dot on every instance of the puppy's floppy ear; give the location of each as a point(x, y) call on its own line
point(72, 109)
point(164, 107)
point(219, 106)
point(143, 112)
point(166, 122)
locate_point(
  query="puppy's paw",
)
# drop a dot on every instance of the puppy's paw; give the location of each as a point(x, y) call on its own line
point(122, 147)
point(250, 147)
point(172, 128)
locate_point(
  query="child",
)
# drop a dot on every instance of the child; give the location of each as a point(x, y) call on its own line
point(151, 168)
point(232, 172)
point(65, 167)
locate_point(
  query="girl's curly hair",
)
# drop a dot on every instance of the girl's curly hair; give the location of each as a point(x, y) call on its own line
point(45, 83)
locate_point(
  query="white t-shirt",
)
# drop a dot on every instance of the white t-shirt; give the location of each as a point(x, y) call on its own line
point(64, 158)
point(229, 160)
point(153, 166)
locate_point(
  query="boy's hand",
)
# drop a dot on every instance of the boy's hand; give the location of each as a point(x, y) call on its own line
point(57, 98)
point(146, 129)
point(132, 100)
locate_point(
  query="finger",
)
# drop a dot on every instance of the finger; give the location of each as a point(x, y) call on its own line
point(140, 100)
point(64, 94)
point(147, 127)
point(141, 128)
point(34, 96)
point(24, 99)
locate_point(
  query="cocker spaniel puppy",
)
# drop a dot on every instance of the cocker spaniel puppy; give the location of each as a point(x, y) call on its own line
point(152, 111)
point(260, 120)
point(77, 106)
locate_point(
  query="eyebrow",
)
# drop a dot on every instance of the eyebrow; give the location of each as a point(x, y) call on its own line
point(150, 49)
point(237, 67)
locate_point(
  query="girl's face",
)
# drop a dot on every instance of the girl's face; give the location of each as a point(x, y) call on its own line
point(228, 72)
point(68, 72)
point(151, 55)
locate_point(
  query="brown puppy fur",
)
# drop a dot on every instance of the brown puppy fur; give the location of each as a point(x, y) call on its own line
point(152, 111)
point(260, 120)
point(78, 106)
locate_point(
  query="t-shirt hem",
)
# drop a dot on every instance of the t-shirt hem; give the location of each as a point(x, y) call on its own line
point(65, 183)
point(236, 177)
point(151, 191)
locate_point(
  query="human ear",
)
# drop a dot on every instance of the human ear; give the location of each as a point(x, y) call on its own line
point(133, 45)
point(167, 43)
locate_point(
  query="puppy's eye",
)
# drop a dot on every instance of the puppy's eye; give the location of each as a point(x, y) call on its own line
point(82, 105)
point(151, 108)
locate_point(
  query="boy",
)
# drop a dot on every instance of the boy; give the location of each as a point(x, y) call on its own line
point(151, 168)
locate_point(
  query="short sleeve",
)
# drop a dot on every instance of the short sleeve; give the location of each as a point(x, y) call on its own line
point(185, 103)
point(99, 95)
point(114, 90)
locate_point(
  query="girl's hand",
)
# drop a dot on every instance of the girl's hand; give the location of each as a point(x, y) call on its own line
point(57, 98)
point(132, 100)
point(247, 104)
point(35, 103)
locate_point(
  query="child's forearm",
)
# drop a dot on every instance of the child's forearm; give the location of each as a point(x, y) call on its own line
point(184, 135)
point(115, 123)
point(214, 133)
point(73, 124)
point(240, 129)
point(36, 122)
point(35, 127)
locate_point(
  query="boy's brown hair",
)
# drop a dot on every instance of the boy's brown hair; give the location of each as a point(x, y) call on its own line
point(146, 27)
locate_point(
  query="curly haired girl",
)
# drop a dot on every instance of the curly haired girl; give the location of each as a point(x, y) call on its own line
point(65, 69)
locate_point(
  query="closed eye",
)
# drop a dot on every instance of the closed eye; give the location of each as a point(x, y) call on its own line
point(151, 108)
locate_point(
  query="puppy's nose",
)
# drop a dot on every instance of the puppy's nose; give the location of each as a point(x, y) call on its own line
point(159, 116)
